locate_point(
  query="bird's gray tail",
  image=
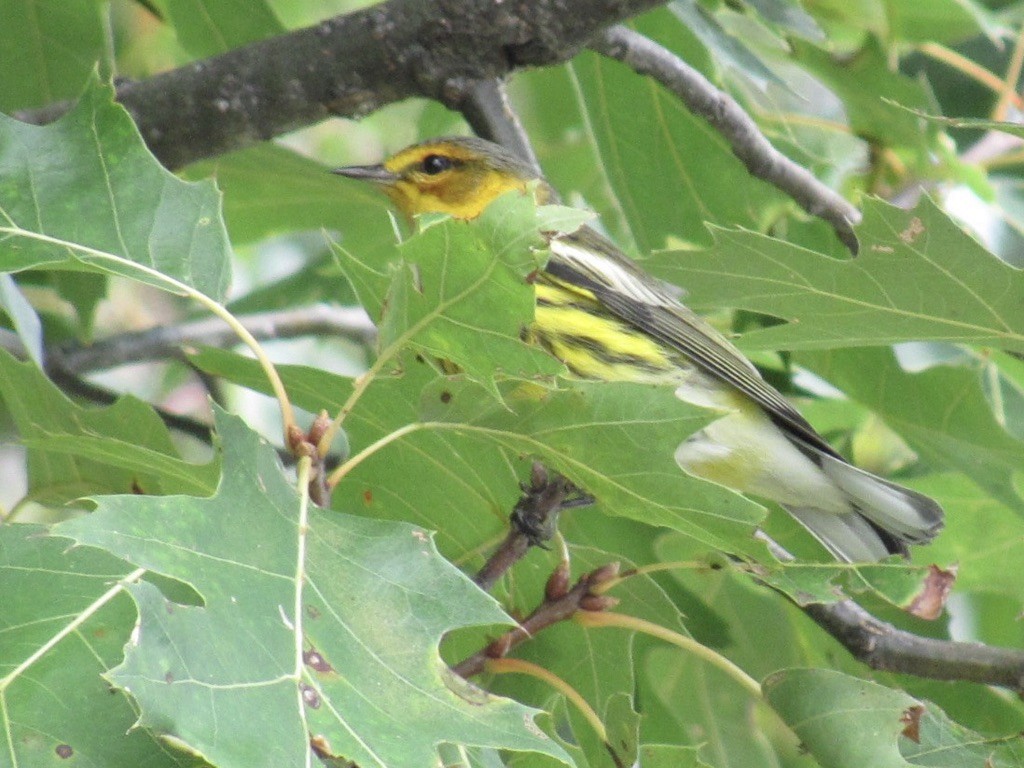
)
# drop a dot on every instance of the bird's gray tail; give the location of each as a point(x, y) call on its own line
point(884, 519)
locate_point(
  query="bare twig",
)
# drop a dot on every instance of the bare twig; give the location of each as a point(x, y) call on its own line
point(166, 342)
point(558, 605)
point(882, 646)
point(488, 112)
point(739, 129)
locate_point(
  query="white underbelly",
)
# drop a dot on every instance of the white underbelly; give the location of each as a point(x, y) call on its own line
point(744, 450)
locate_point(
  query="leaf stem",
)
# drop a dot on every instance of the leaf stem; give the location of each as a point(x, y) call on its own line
point(302, 473)
point(172, 285)
point(523, 667)
point(1008, 89)
point(610, 619)
point(967, 67)
point(361, 383)
point(338, 474)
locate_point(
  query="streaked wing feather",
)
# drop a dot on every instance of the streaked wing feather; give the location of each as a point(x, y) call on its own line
point(642, 301)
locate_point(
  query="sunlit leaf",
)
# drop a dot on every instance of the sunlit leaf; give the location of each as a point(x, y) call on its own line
point(279, 651)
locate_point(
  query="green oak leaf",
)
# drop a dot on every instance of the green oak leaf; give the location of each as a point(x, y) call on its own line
point(65, 37)
point(846, 722)
point(206, 28)
point(62, 630)
point(323, 627)
point(74, 451)
point(670, 173)
point(919, 277)
point(85, 191)
point(941, 412)
point(460, 290)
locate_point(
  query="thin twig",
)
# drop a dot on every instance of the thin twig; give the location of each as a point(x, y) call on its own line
point(488, 112)
point(734, 124)
point(557, 606)
point(166, 342)
point(94, 393)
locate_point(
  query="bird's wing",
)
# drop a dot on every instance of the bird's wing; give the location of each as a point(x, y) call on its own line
point(588, 260)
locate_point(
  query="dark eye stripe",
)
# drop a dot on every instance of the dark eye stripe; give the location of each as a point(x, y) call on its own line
point(434, 164)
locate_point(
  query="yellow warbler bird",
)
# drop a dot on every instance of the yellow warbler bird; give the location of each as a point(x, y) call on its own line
point(605, 318)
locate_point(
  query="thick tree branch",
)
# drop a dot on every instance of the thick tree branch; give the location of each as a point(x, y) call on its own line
point(739, 129)
point(351, 65)
point(883, 646)
point(454, 51)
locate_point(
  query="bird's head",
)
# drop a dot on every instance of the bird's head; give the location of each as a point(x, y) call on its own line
point(457, 175)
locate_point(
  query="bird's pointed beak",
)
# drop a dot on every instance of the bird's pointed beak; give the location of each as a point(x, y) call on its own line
point(375, 173)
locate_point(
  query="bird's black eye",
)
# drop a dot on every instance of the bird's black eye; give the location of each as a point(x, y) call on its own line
point(435, 164)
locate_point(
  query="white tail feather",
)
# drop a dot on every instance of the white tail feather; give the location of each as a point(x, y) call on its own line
point(911, 517)
point(848, 537)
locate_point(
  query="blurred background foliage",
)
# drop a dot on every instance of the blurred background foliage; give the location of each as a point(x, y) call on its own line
point(838, 86)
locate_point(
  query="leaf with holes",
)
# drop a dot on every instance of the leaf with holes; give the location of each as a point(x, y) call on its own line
point(64, 624)
point(322, 628)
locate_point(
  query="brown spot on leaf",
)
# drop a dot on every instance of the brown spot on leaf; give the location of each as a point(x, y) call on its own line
point(911, 719)
point(446, 396)
point(368, 497)
point(64, 751)
point(310, 697)
point(312, 658)
point(168, 678)
point(913, 231)
point(312, 611)
point(930, 601)
point(321, 746)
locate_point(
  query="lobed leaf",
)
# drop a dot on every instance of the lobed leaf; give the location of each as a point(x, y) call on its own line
point(919, 277)
point(85, 190)
point(289, 642)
